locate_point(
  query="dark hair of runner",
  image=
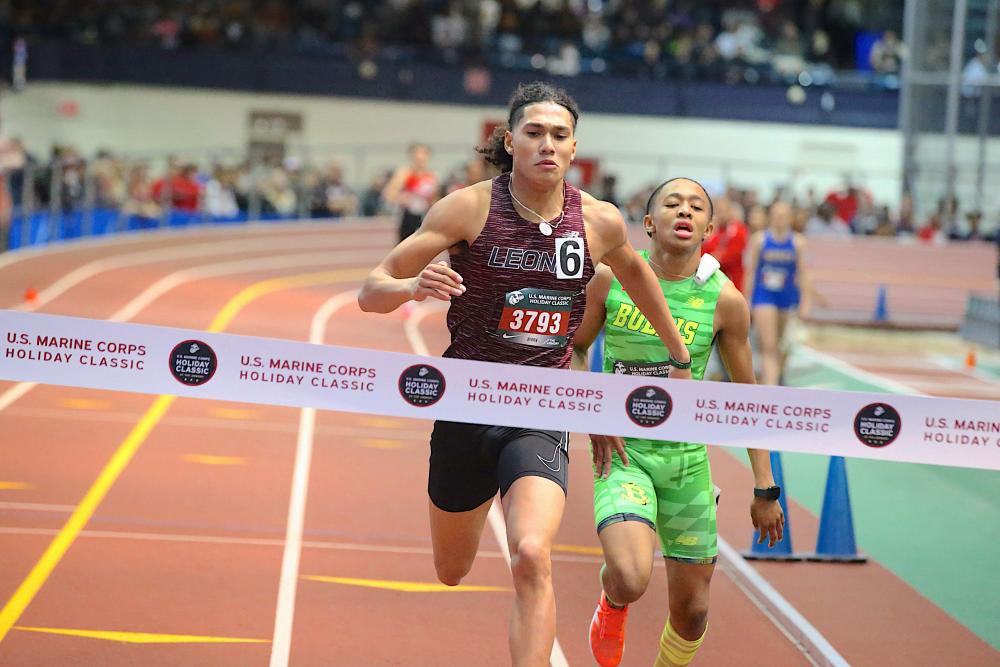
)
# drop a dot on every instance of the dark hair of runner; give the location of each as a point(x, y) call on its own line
point(652, 197)
point(493, 150)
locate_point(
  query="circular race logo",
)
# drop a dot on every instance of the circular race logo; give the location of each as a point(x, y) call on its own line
point(193, 363)
point(421, 385)
point(877, 425)
point(649, 406)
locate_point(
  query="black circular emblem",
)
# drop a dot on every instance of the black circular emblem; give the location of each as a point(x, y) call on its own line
point(193, 363)
point(421, 385)
point(649, 406)
point(877, 424)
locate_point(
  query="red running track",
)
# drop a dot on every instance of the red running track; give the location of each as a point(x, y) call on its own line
point(183, 557)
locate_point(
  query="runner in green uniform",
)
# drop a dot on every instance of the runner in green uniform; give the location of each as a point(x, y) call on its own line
point(645, 488)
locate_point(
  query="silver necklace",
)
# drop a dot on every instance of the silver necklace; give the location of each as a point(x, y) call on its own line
point(665, 273)
point(544, 227)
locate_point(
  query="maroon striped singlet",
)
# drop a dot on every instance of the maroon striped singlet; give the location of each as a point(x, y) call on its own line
point(525, 292)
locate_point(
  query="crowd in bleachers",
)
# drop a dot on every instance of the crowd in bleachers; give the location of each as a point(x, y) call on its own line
point(122, 193)
point(742, 40)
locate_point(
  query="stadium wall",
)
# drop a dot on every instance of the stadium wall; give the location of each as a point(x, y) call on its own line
point(368, 136)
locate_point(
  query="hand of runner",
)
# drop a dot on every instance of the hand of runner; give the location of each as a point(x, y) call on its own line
point(437, 281)
point(602, 447)
point(680, 373)
point(768, 518)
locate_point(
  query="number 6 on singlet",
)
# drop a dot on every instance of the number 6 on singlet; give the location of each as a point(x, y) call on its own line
point(569, 258)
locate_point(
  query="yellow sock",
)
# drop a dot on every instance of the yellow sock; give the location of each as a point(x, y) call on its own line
point(675, 651)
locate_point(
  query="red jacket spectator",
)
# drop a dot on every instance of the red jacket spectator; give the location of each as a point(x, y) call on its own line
point(184, 191)
point(727, 243)
point(847, 202)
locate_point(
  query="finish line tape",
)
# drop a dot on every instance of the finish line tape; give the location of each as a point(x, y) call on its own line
point(96, 354)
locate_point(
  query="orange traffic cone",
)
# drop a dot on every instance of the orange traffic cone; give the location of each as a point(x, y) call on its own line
point(970, 360)
point(30, 295)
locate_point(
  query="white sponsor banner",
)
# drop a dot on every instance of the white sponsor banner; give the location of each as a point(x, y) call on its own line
point(160, 360)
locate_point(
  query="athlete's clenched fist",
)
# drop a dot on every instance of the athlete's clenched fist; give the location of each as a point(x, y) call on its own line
point(437, 281)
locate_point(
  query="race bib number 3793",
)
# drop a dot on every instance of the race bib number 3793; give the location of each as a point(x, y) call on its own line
point(536, 317)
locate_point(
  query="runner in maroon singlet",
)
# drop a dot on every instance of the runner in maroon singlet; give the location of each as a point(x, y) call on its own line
point(522, 248)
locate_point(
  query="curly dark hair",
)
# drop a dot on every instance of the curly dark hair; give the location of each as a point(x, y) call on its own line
point(493, 150)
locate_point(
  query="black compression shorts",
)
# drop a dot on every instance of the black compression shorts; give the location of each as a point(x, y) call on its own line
point(469, 462)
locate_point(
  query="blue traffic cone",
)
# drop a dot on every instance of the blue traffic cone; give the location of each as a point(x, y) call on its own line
point(881, 313)
point(835, 543)
point(783, 549)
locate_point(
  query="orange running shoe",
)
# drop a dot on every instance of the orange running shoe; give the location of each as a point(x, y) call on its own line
point(607, 633)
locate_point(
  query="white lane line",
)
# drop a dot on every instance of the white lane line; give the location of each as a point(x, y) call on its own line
point(814, 645)
point(167, 234)
point(173, 280)
point(36, 507)
point(853, 371)
point(958, 367)
point(495, 516)
point(281, 644)
point(195, 250)
point(15, 392)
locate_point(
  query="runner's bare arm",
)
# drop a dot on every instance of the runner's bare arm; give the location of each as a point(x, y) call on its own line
point(611, 246)
point(732, 329)
point(407, 272)
point(593, 316)
point(601, 446)
point(390, 192)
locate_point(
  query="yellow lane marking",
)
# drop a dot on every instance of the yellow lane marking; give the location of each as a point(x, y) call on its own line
point(375, 443)
point(406, 586)
point(26, 592)
point(576, 549)
point(15, 486)
point(233, 413)
point(85, 404)
point(381, 422)
point(213, 460)
point(143, 637)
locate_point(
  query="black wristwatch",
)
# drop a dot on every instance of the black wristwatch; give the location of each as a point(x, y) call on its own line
point(683, 365)
point(770, 493)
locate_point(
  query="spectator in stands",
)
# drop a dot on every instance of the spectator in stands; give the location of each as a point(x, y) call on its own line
point(886, 56)
point(826, 223)
point(340, 200)
point(607, 191)
point(371, 199)
point(756, 219)
point(21, 169)
point(140, 201)
point(973, 229)
point(69, 169)
point(279, 197)
point(976, 73)
point(180, 188)
point(846, 201)
point(905, 225)
point(12, 162)
point(473, 172)
point(932, 231)
point(885, 225)
point(728, 240)
point(789, 51)
point(108, 174)
point(220, 194)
